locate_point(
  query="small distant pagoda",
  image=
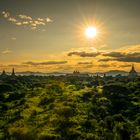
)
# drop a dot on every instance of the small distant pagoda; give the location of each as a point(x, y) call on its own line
point(132, 74)
point(13, 72)
point(3, 73)
point(76, 73)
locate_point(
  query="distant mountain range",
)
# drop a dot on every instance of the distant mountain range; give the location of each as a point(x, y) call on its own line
point(108, 73)
point(116, 72)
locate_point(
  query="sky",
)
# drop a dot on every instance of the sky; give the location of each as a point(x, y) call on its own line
point(49, 35)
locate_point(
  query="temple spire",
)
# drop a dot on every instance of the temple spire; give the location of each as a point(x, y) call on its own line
point(13, 72)
point(132, 74)
point(133, 68)
point(3, 72)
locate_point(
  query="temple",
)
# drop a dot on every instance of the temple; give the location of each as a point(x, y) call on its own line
point(78, 74)
point(4, 74)
point(13, 72)
point(132, 74)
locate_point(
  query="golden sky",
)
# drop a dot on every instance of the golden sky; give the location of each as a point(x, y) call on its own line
point(49, 35)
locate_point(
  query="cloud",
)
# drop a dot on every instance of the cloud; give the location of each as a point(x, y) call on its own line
point(33, 24)
point(49, 19)
point(25, 17)
point(130, 59)
point(121, 56)
point(12, 19)
point(18, 23)
point(107, 59)
point(114, 54)
point(7, 51)
point(14, 38)
point(25, 23)
point(125, 65)
point(84, 54)
point(128, 49)
point(45, 63)
point(84, 63)
point(40, 19)
point(26, 20)
point(39, 23)
point(104, 65)
point(5, 14)
point(33, 28)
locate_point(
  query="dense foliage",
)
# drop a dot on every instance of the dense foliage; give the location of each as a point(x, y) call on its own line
point(69, 108)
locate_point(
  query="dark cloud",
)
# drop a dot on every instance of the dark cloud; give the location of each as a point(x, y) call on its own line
point(124, 66)
point(124, 57)
point(45, 63)
point(104, 65)
point(84, 54)
point(114, 54)
point(107, 59)
point(129, 59)
point(84, 63)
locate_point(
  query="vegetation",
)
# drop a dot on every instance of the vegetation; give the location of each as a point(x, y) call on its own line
point(69, 108)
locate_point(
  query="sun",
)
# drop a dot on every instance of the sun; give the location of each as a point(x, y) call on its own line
point(91, 32)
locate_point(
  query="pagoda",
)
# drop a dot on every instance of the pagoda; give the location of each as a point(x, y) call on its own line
point(13, 72)
point(132, 74)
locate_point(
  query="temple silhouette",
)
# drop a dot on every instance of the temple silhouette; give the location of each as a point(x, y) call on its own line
point(132, 74)
point(4, 74)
